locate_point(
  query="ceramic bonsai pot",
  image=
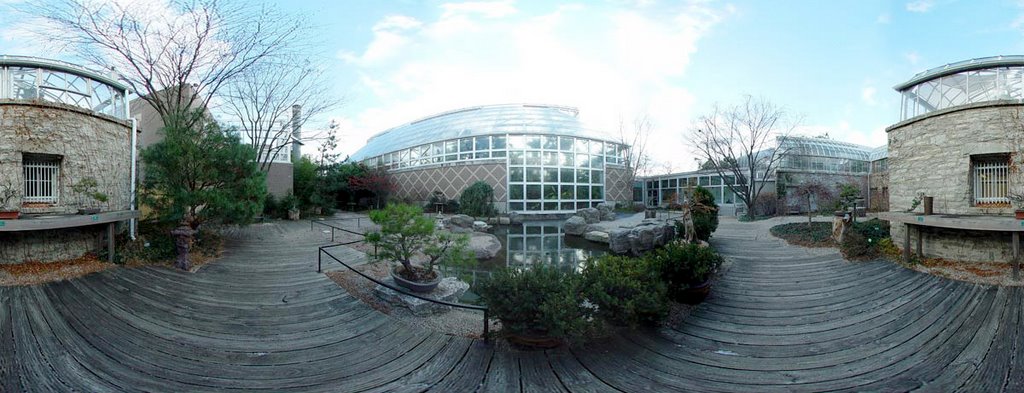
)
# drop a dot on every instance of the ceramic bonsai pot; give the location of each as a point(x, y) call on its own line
point(415, 286)
point(695, 293)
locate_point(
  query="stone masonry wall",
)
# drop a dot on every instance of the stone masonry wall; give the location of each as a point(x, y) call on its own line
point(89, 146)
point(932, 155)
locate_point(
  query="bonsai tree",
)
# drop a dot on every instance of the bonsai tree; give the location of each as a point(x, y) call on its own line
point(7, 194)
point(406, 234)
point(87, 187)
point(848, 193)
point(704, 211)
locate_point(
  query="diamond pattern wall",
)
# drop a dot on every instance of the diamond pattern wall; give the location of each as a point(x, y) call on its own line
point(418, 184)
point(618, 185)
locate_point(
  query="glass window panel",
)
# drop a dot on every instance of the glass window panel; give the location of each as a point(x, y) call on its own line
point(691, 181)
point(483, 154)
point(516, 142)
point(533, 191)
point(498, 142)
point(550, 175)
point(550, 159)
point(550, 191)
point(567, 192)
point(704, 180)
point(533, 158)
point(515, 206)
point(465, 144)
point(437, 149)
point(483, 142)
point(565, 143)
point(550, 143)
point(516, 157)
point(515, 174)
point(664, 183)
point(597, 177)
point(596, 192)
point(515, 191)
point(567, 175)
point(568, 206)
point(466, 156)
point(567, 159)
point(533, 142)
point(583, 176)
point(596, 161)
point(498, 153)
point(596, 147)
point(550, 206)
point(24, 83)
point(451, 147)
point(582, 192)
point(672, 182)
point(582, 161)
point(581, 145)
point(533, 206)
point(533, 175)
point(715, 180)
point(450, 157)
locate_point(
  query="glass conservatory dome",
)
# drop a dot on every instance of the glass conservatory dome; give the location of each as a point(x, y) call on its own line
point(32, 78)
point(965, 82)
point(820, 154)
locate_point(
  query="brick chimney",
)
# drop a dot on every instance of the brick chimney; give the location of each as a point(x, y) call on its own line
point(296, 132)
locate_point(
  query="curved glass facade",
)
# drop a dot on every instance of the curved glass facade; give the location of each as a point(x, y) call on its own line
point(966, 82)
point(819, 154)
point(552, 166)
point(24, 78)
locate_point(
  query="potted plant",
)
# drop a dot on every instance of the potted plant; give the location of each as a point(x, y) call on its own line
point(9, 209)
point(406, 234)
point(1018, 203)
point(87, 188)
point(687, 268)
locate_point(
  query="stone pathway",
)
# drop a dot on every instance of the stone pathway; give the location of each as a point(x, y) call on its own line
point(782, 319)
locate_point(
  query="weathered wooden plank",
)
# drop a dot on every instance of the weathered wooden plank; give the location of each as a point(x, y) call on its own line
point(468, 375)
point(503, 374)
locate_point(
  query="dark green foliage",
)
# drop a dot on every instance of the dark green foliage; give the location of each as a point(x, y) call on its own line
point(626, 290)
point(447, 206)
point(306, 182)
point(477, 200)
point(271, 207)
point(406, 233)
point(336, 188)
point(705, 213)
point(154, 244)
point(201, 174)
point(815, 234)
point(863, 239)
point(682, 265)
point(542, 300)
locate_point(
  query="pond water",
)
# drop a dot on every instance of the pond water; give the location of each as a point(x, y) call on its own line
point(527, 244)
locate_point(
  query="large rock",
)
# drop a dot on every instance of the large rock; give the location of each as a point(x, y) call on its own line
point(484, 245)
point(590, 214)
point(640, 238)
point(596, 236)
point(618, 240)
point(575, 226)
point(461, 221)
point(608, 215)
point(450, 290)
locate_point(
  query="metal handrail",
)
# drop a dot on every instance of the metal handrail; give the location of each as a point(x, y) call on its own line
point(333, 228)
point(323, 250)
point(486, 328)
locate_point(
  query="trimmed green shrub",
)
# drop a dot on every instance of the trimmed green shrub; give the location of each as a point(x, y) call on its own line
point(863, 240)
point(626, 290)
point(815, 234)
point(682, 265)
point(477, 200)
point(705, 213)
point(542, 301)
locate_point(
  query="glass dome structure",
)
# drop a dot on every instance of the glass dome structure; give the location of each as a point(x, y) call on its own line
point(961, 83)
point(31, 78)
point(820, 154)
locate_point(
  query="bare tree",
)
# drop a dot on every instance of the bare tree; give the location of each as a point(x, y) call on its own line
point(812, 191)
point(750, 134)
point(262, 97)
point(637, 159)
point(174, 57)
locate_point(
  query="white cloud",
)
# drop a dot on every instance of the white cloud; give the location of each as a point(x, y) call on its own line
point(867, 94)
point(920, 6)
point(610, 63)
point(883, 19)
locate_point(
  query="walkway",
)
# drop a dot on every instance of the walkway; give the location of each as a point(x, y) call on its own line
point(783, 319)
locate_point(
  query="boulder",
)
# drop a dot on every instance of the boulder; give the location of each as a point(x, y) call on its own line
point(461, 221)
point(575, 226)
point(596, 236)
point(480, 226)
point(608, 215)
point(590, 214)
point(618, 240)
point(504, 221)
point(639, 206)
point(450, 290)
point(484, 245)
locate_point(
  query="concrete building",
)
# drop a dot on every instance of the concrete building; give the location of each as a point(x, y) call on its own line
point(65, 147)
point(960, 128)
point(539, 159)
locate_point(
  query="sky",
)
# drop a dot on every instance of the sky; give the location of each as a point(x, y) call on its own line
point(830, 64)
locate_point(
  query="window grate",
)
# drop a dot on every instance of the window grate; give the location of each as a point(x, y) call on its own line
point(990, 182)
point(41, 181)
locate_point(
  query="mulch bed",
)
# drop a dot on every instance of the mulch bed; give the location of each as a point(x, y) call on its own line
point(34, 273)
point(818, 234)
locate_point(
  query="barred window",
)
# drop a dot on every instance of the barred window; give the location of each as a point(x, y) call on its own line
point(989, 185)
point(42, 178)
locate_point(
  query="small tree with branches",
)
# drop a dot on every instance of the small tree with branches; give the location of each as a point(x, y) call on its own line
point(745, 134)
point(811, 191)
point(636, 159)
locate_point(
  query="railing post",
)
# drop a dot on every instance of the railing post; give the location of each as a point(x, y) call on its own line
point(332, 234)
point(319, 260)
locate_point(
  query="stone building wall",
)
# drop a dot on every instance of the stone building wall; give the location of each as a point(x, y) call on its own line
point(931, 155)
point(89, 145)
point(878, 186)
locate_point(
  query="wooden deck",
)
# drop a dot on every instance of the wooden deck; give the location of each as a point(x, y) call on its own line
point(783, 319)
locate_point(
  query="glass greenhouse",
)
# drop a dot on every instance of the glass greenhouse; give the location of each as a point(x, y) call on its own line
point(553, 163)
point(30, 78)
point(826, 155)
point(965, 82)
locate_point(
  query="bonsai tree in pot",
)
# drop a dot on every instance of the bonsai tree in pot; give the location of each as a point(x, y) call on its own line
point(86, 188)
point(687, 268)
point(405, 235)
point(8, 205)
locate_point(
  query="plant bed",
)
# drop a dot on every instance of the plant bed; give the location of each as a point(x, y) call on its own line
point(817, 234)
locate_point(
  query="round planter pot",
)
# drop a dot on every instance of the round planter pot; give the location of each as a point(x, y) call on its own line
point(415, 286)
point(695, 293)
